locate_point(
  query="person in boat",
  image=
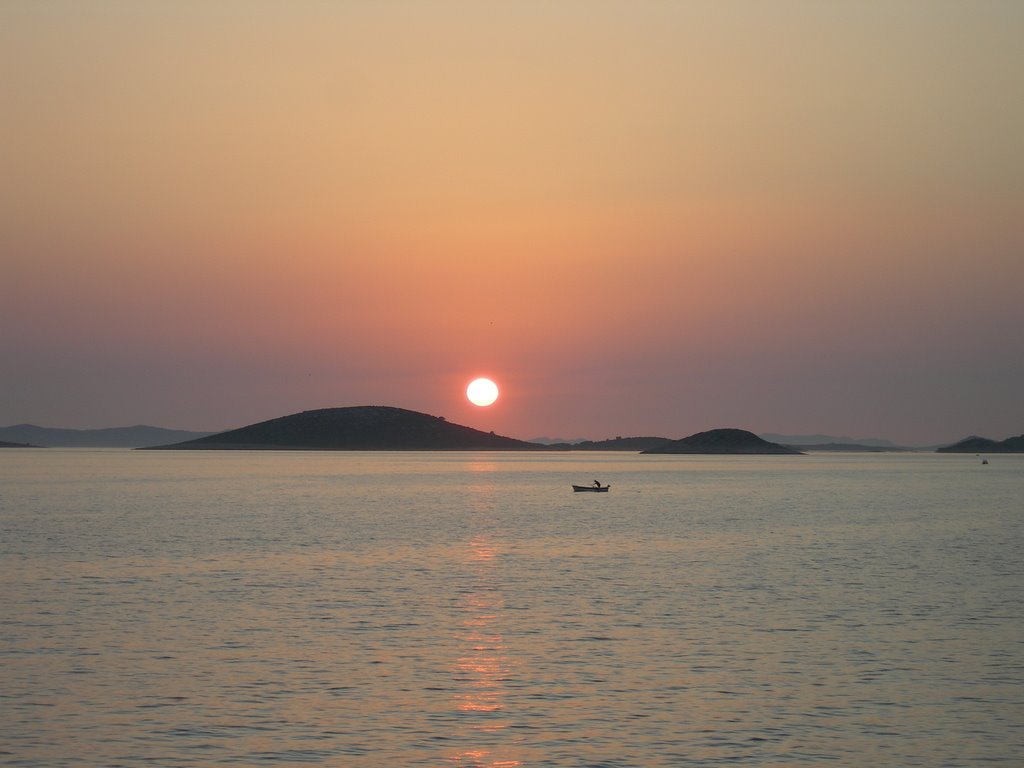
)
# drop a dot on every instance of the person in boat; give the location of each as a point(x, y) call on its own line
point(597, 483)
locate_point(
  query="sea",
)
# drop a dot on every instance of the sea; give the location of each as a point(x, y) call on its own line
point(466, 609)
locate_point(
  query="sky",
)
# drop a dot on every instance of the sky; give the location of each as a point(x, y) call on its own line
point(646, 218)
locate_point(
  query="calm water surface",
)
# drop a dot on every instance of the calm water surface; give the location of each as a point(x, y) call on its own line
point(467, 609)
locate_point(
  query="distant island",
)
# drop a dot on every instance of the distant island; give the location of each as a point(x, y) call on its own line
point(5, 444)
point(358, 428)
point(724, 441)
point(816, 442)
point(638, 444)
point(984, 445)
point(846, 447)
point(799, 443)
point(113, 437)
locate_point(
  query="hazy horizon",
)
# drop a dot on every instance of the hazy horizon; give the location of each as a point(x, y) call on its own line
point(639, 220)
point(771, 435)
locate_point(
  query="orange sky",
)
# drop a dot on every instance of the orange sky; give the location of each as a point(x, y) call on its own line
point(638, 218)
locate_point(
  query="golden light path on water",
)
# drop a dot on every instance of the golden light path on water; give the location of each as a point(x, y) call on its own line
point(483, 667)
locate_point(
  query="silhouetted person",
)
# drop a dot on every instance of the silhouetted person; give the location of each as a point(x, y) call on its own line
point(597, 483)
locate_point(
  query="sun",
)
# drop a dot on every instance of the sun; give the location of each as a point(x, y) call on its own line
point(482, 392)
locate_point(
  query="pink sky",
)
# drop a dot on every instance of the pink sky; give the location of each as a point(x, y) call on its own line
point(655, 219)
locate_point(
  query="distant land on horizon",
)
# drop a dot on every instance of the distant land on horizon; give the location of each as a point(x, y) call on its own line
point(848, 448)
point(356, 428)
point(638, 444)
point(799, 442)
point(144, 436)
point(808, 440)
point(111, 437)
point(724, 441)
point(984, 445)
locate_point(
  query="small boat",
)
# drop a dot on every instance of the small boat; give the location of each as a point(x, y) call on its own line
point(591, 488)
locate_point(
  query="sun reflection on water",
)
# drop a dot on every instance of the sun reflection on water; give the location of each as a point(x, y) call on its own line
point(482, 667)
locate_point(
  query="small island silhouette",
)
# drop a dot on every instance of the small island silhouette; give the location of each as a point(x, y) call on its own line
point(724, 441)
point(984, 445)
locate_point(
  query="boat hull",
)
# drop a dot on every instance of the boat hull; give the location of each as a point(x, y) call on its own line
point(591, 488)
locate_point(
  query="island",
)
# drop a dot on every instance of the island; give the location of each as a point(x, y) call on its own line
point(984, 445)
point(846, 447)
point(5, 444)
point(357, 428)
point(110, 437)
point(724, 442)
point(635, 444)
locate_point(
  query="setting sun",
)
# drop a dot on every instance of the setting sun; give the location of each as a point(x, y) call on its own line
point(482, 392)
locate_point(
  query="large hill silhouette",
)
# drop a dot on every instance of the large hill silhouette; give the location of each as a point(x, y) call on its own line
point(359, 428)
